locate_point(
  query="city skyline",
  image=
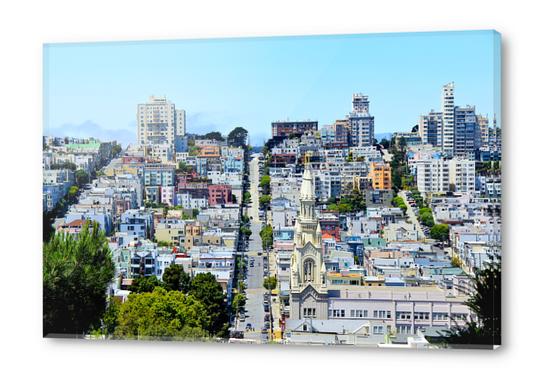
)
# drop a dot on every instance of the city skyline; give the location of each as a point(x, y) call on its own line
point(94, 88)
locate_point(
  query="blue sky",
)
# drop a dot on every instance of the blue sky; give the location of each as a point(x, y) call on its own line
point(94, 88)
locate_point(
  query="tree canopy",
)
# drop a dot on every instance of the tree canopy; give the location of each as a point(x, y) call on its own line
point(440, 232)
point(162, 314)
point(176, 279)
point(270, 283)
point(266, 235)
point(485, 302)
point(76, 274)
point(81, 178)
point(145, 284)
point(238, 137)
point(206, 289)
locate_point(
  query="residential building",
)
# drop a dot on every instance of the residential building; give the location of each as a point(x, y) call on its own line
point(443, 175)
point(448, 111)
point(287, 128)
point(361, 123)
point(219, 194)
point(467, 132)
point(380, 175)
point(430, 128)
point(138, 222)
point(159, 122)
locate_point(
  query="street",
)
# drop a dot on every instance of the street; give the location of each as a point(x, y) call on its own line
point(412, 217)
point(254, 308)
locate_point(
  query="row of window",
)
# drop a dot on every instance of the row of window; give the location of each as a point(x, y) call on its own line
point(309, 312)
point(382, 314)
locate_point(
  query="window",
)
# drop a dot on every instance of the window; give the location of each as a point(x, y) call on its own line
point(309, 312)
point(339, 313)
point(421, 315)
point(378, 329)
point(440, 316)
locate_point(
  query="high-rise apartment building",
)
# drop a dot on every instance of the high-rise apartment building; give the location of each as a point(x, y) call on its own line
point(448, 109)
point(430, 128)
point(361, 122)
point(159, 122)
point(466, 132)
point(483, 125)
point(360, 103)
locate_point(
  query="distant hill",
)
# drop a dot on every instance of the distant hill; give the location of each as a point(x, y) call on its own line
point(379, 136)
point(257, 149)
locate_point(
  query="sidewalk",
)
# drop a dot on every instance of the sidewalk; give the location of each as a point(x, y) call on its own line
point(275, 304)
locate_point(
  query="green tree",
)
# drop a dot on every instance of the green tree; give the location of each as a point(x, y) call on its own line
point(116, 150)
point(238, 302)
point(270, 283)
point(48, 230)
point(266, 235)
point(385, 143)
point(184, 168)
point(206, 289)
point(193, 150)
point(162, 315)
point(111, 316)
point(81, 178)
point(246, 197)
point(145, 284)
point(426, 217)
point(244, 230)
point(72, 193)
point(265, 181)
point(238, 137)
point(217, 136)
point(176, 279)
point(440, 232)
point(76, 274)
point(400, 203)
point(265, 200)
point(485, 303)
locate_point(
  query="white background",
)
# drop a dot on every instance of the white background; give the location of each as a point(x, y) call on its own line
point(26, 25)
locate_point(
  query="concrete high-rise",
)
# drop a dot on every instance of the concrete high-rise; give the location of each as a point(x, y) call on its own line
point(361, 122)
point(448, 109)
point(430, 128)
point(483, 125)
point(466, 132)
point(159, 122)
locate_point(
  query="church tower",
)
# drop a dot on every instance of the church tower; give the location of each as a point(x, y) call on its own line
point(308, 292)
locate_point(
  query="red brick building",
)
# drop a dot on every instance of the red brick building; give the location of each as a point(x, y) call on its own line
point(220, 194)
